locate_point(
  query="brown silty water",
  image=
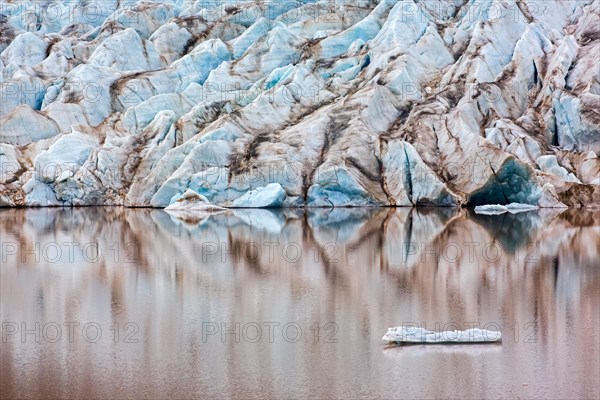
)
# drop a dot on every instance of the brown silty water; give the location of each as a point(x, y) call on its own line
point(112, 302)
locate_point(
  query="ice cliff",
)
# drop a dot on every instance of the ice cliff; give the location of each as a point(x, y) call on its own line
point(293, 103)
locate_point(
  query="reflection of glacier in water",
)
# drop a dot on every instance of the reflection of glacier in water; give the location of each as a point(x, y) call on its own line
point(337, 277)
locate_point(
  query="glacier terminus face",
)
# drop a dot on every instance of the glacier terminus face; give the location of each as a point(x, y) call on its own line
point(248, 103)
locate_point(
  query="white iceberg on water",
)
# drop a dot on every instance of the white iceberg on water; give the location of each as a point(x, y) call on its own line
point(192, 201)
point(497, 209)
point(413, 334)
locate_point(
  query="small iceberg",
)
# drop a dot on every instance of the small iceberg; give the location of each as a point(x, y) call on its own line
point(193, 208)
point(192, 201)
point(498, 209)
point(412, 334)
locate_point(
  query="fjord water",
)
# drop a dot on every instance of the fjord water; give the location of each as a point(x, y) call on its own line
point(138, 303)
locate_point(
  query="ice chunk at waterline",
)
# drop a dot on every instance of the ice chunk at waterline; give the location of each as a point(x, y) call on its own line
point(413, 334)
point(192, 201)
point(497, 209)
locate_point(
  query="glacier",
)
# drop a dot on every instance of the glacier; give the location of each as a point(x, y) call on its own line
point(261, 104)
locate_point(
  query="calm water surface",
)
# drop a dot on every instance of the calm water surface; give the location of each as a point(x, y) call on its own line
point(111, 302)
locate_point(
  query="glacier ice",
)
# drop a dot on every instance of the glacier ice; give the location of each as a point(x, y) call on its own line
point(314, 103)
point(270, 196)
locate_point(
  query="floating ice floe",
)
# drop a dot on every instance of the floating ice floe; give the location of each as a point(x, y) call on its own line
point(497, 209)
point(412, 334)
